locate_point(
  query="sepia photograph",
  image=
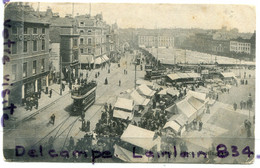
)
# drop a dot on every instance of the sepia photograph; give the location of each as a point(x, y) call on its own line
point(129, 82)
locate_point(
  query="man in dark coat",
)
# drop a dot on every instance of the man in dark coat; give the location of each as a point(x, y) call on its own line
point(50, 93)
point(200, 125)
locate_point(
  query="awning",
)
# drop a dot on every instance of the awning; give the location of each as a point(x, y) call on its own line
point(123, 114)
point(163, 92)
point(181, 119)
point(172, 92)
point(98, 60)
point(228, 74)
point(87, 59)
point(123, 103)
point(187, 109)
point(105, 58)
point(173, 125)
point(139, 137)
point(198, 95)
point(197, 104)
point(183, 75)
point(171, 109)
point(138, 99)
point(145, 90)
point(174, 76)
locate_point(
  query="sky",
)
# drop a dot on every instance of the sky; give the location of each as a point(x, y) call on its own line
point(242, 17)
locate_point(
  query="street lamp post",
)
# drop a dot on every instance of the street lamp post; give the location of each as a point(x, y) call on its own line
point(135, 74)
point(60, 75)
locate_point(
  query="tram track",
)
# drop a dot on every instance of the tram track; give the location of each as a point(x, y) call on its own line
point(63, 125)
point(95, 113)
point(71, 125)
point(6, 131)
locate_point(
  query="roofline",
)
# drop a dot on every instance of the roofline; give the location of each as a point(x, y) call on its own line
point(72, 35)
point(25, 21)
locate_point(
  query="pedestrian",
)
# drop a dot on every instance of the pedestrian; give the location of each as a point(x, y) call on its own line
point(52, 119)
point(50, 92)
point(83, 125)
point(248, 129)
point(217, 97)
point(106, 107)
point(208, 110)
point(200, 125)
point(244, 104)
point(106, 82)
point(39, 94)
point(50, 142)
point(88, 126)
point(119, 83)
point(31, 103)
point(83, 115)
point(187, 126)
point(36, 103)
point(70, 85)
point(195, 124)
point(110, 107)
point(71, 144)
point(241, 105)
point(235, 106)
point(63, 86)
point(246, 82)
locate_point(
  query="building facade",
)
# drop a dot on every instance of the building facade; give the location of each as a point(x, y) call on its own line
point(93, 40)
point(161, 41)
point(29, 53)
point(69, 53)
point(240, 46)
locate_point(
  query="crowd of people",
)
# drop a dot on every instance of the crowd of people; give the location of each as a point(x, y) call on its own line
point(153, 120)
point(32, 100)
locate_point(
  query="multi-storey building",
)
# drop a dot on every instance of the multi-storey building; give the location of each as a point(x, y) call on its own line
point(156, 40)
point(93, 33)
point(28, 52)
point(69, 53)
point(240, 46)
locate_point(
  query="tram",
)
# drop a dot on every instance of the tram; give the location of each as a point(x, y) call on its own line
point(83, 96)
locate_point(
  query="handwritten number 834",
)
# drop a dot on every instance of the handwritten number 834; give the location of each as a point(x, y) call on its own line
point(222, 151)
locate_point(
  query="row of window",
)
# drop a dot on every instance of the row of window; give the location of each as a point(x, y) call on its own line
point(89, 31)
point(156, 43)
point(25, 46)
point(26, 30)
point(155, 40)
point(240, 44)
point(155, 37)
point(240, 48)
point(89, 41)
point(25, 69)
point(81, 41)
point(89, 51)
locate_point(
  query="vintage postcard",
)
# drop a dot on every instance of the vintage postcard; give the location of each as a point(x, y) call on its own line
point(128, 82)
